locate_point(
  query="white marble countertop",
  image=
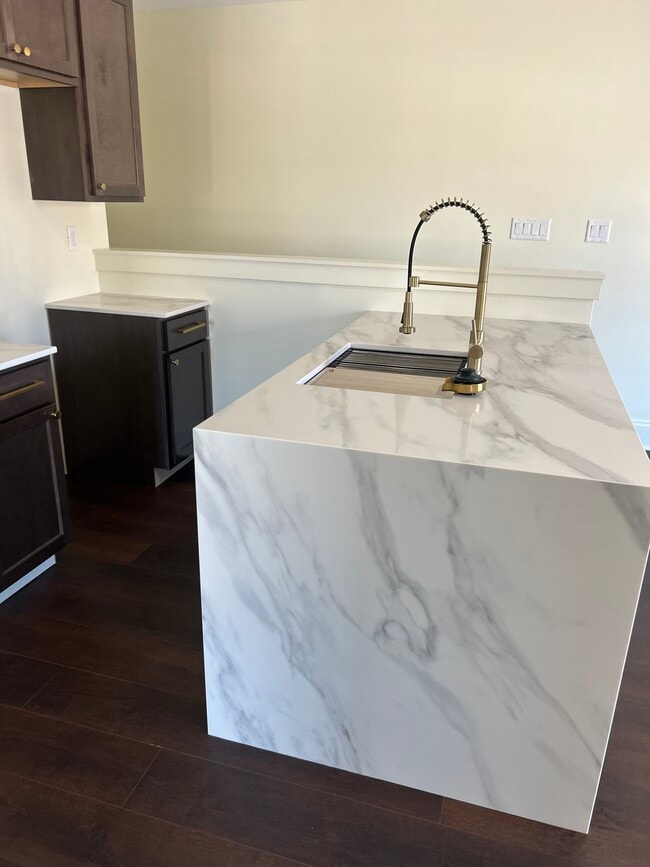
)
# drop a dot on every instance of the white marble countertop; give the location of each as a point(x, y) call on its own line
point(15, 354)
point(130, 305)
point(551, 406)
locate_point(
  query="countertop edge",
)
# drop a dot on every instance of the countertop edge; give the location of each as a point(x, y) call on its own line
point(26, 357)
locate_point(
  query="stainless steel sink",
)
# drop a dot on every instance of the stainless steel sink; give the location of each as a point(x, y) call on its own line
point(389, 370)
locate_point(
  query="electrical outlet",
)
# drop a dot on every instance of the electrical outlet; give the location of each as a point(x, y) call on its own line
point(598, 231)
point(73, 238)
point(530, 229)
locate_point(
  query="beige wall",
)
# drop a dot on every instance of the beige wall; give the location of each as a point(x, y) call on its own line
point(35, 263)
point(322, 127)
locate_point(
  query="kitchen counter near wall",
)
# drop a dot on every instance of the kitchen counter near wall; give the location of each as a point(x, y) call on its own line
point(435, 592)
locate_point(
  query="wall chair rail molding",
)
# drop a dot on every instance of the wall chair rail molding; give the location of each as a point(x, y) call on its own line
point(515, 293)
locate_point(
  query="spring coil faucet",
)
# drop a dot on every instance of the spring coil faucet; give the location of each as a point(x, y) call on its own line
point(468, 380)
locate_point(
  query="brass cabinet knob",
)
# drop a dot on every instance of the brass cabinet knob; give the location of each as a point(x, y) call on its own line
point(27, 51)
point(175, 361)
point(56, 414)
point(101, 187)
point(17, 48)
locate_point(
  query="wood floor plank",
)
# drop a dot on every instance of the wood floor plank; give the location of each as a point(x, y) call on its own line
point(181, 559)
point(511, 830)
point(631, 727)
point(178, 723)
point(639, 651)
point(113, 652)
point(290, 821)
point(635, 686)
point(44, 827)
point(623, 800)
point(602, 847)
point(142, 526)
point(21, 677)
point(156, 662)
point(458, 849)
point(79, 760)
point(135, 607)
point(106, 547)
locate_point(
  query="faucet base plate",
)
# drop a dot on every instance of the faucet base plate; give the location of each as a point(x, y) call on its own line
point(463, 387)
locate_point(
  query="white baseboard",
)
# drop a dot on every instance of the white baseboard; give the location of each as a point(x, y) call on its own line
point(643, 429)
point(22, 582)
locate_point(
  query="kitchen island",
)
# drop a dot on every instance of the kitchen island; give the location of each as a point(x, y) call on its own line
point(434, 592)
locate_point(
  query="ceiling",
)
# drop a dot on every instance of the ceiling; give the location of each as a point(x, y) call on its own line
point(188, 4)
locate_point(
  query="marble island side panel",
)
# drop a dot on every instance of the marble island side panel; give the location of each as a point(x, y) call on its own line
point(458, 629)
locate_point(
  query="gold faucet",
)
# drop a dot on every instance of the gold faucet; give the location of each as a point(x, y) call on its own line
point(468, 380)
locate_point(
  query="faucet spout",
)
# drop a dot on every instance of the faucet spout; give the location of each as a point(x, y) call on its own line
point(468, 380)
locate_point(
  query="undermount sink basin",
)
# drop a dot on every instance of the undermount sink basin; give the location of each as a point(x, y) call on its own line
point(389, 370)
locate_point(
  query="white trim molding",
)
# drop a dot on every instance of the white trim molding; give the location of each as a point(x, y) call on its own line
point(517, 293)
point(26, 579)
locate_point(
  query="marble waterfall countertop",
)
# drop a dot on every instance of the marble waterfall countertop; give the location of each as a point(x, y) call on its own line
point(434, 592)
point(130, 305)
point(551, 406)
point(15, 354)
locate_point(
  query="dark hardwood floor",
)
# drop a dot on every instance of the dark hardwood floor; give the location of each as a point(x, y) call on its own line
point(104, 759)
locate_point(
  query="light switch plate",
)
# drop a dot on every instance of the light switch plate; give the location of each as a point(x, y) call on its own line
point(73, 238)
point(530, 229)
point(598, 231)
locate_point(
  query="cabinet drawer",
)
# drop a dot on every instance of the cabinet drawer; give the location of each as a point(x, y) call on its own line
point(24, 389)
point(185, 330)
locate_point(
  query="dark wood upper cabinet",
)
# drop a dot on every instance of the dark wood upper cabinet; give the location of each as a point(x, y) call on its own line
point(108, 49)
point(41, 34)
point(83, 140)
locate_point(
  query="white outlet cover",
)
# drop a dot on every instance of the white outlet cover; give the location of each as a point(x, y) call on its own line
point(530, 229)
point(73, 238)
point(598, 231)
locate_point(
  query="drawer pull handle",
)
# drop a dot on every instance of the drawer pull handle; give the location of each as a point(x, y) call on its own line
point(22, 390)
point(57, 414)
point(175, 361)
point(189, 328)
point(27, 51)
point(17, 48)
point(102, 186)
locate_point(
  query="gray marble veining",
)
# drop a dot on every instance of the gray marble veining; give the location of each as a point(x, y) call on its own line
point(435, 593)
point(551, 406)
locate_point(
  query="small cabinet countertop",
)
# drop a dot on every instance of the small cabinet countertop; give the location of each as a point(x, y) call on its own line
point(15, 354)
point(130, 305)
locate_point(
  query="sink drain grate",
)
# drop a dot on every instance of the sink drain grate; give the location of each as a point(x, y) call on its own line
point(411, 363)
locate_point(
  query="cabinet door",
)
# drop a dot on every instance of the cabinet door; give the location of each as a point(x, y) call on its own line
point(41, 34)
point(108, 53)
point(189, 395)
point(33, 504)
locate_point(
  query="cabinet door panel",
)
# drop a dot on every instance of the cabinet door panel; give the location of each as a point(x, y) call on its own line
point(189, 394)
point(108, 50)
point(46, 30)
point(33, 505)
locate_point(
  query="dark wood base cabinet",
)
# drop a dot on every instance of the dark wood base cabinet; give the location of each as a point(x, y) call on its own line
point(131, 389)
point(34, 520)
